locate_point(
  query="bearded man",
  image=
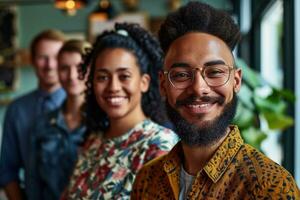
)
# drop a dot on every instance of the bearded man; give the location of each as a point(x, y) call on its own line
point(200, 82)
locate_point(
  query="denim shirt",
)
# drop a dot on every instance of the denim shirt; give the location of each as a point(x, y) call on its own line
point(19, 117)
point(53, 150)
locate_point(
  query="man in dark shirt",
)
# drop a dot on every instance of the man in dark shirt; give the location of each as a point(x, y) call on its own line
point(200, 82)
point(23, 111)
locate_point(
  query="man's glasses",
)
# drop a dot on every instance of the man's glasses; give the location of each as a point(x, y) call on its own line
point(214, 75)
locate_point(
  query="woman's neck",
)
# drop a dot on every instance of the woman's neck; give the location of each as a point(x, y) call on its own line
point(122, 125)
point(72, 111)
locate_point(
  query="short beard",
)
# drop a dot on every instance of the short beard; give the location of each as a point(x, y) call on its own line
point(210, 132)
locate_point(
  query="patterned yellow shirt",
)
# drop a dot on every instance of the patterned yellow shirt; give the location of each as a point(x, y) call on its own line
point(236, 171)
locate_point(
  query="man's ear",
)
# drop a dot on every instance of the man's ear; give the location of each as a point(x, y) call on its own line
point(162, 80)
point(237, 79)
point(145, 82)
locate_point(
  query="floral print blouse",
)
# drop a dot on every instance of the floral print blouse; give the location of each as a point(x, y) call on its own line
point(107, 167)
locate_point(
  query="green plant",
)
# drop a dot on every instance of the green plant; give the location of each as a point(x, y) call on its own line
point(256, 107)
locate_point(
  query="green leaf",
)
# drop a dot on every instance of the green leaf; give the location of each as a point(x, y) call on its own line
point(277, 120)
point(253, 136)
point(244, 117)
point(284, 94)
point(269, 104)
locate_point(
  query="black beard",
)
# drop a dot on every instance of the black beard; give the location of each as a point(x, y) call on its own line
point(211, 131)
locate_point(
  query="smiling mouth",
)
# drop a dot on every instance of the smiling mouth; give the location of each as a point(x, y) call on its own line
point(115, 101)
point(51, 73)
point(200, 101)
point(198, 108)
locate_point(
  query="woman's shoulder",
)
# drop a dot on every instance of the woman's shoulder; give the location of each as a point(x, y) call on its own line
point(154, 127)
point(91, 139)
point(157, 132)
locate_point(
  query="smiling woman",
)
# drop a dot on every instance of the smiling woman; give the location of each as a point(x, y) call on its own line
point(119, 86)
point(123, 109)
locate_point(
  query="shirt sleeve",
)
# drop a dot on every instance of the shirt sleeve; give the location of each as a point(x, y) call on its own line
point(10, 159)
point(34, 185)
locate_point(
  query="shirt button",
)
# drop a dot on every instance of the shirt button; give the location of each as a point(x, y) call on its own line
point(52, 121)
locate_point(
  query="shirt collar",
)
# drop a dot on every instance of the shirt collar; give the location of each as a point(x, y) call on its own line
point(173, 158)
point(221, 159)
point(57, 96)
point(56, 118)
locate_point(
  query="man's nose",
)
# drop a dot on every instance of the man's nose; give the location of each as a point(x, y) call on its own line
point(52, 62)
point(199, 85)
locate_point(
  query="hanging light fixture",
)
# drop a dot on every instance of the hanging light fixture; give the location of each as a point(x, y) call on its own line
point(131, 5)
point(103, 11)
point(70, 6)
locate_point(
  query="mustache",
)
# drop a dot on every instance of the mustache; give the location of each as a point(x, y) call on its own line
point(206, 99)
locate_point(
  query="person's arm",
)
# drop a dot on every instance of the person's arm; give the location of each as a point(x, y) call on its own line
point(13, 191)
point(34, 184)
point(10, 158)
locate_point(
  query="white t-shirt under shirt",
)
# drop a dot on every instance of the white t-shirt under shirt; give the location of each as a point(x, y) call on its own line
point(186, 181)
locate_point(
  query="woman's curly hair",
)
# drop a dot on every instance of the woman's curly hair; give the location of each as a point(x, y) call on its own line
point(198, 17)
point(149, 57)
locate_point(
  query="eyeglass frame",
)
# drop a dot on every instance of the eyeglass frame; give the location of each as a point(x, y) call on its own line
point(200, 69)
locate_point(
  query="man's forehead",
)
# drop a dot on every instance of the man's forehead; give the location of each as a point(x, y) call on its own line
point(198, 46)
point(49, 41)
point(196, 39)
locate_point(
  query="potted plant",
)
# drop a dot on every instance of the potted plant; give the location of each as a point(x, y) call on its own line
point(256, 107)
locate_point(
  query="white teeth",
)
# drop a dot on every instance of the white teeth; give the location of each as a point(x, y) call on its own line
point(115, 100)
point(199, 105)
